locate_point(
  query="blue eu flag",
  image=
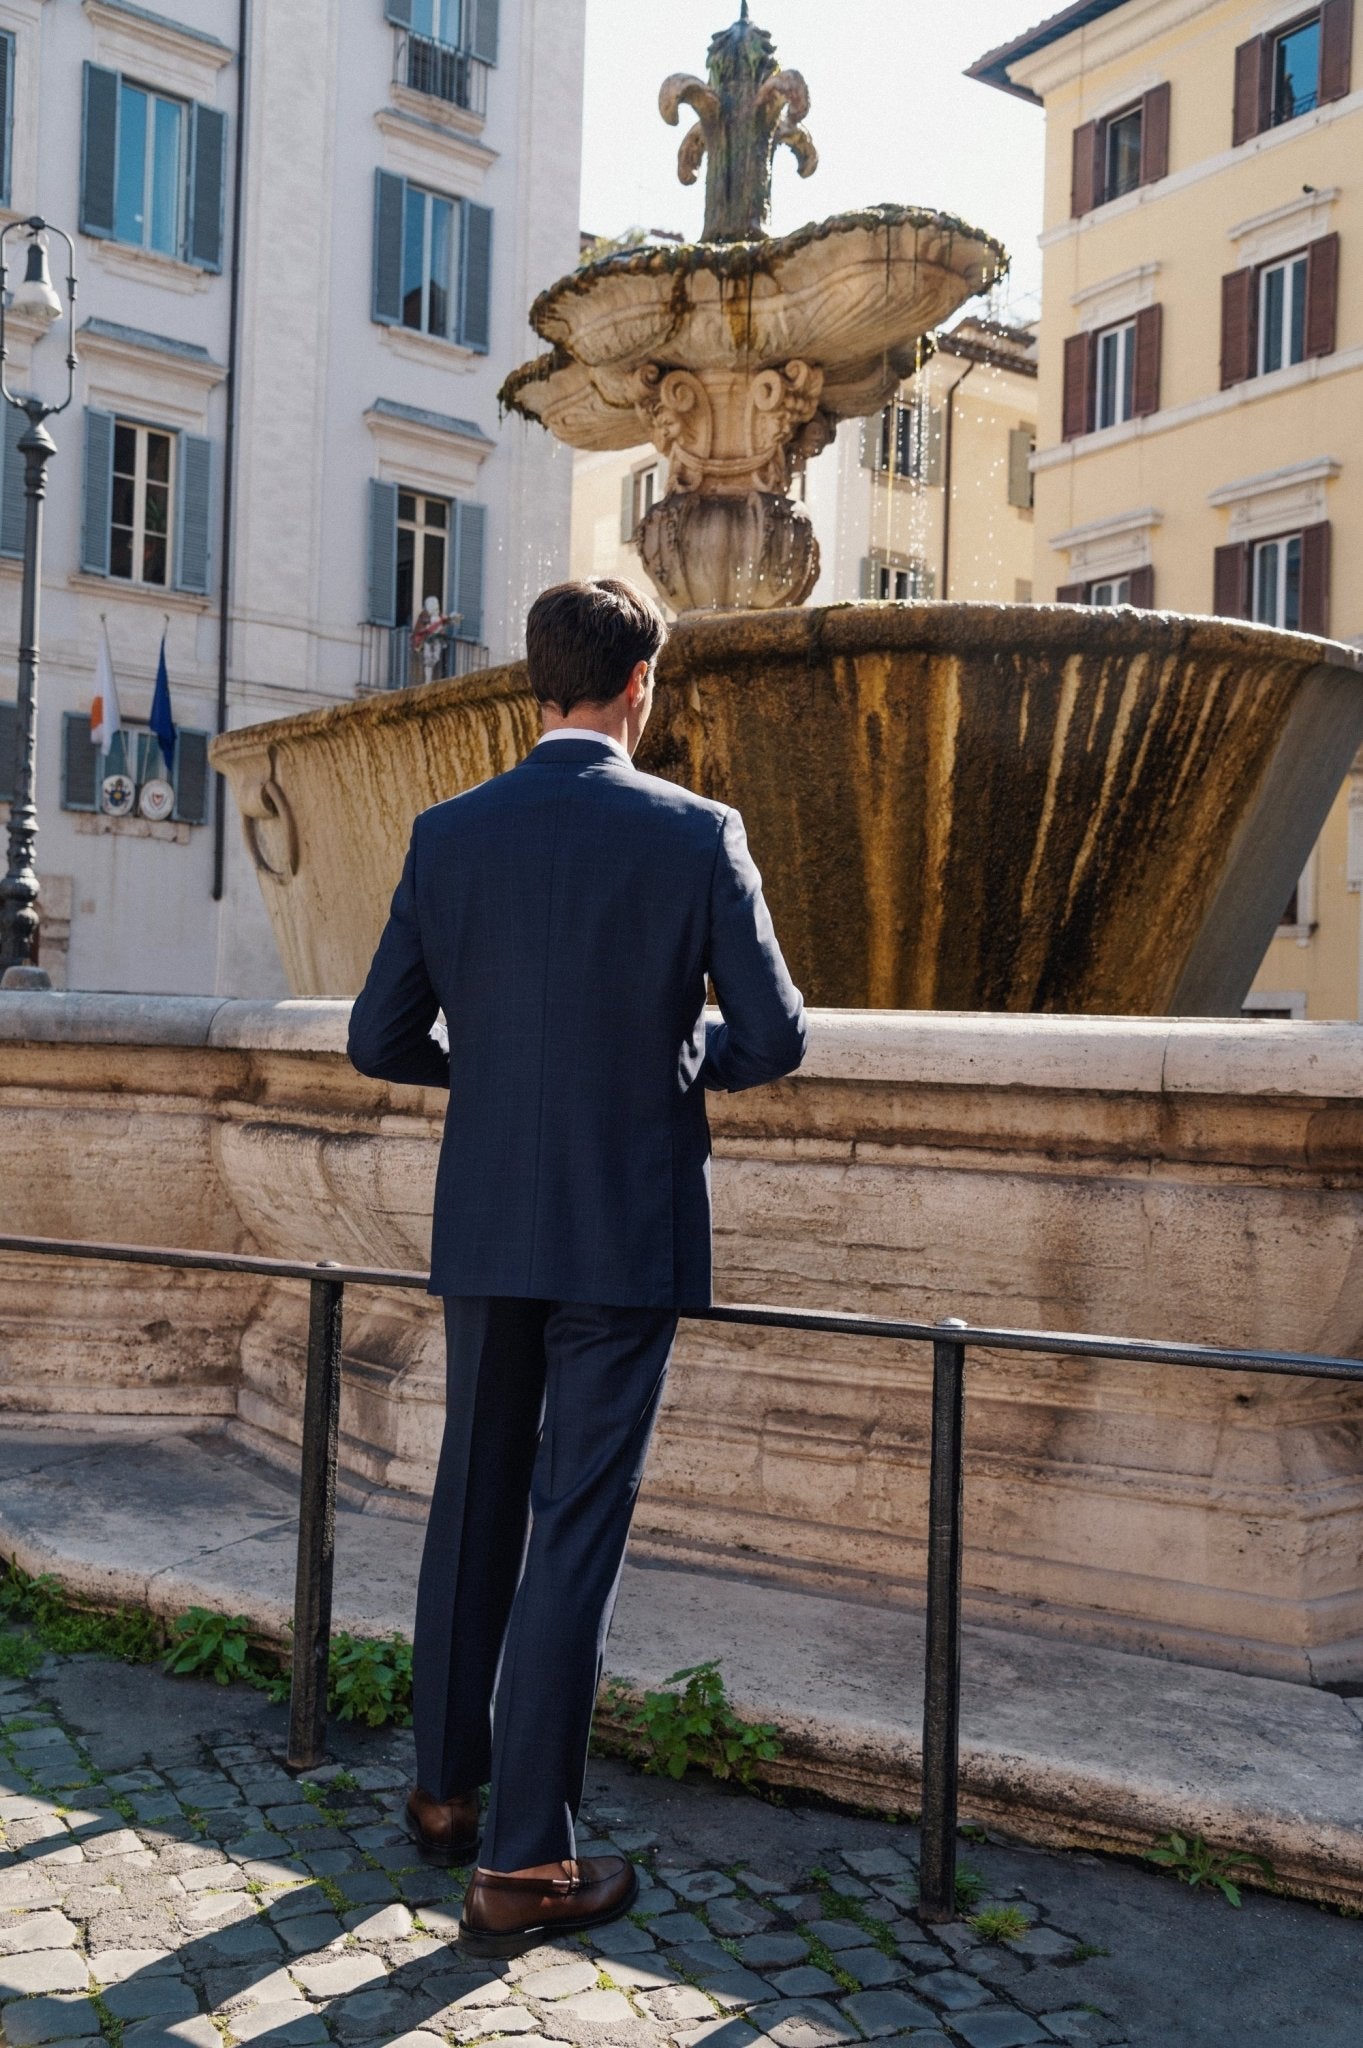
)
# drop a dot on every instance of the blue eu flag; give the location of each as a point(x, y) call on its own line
point(161, 721)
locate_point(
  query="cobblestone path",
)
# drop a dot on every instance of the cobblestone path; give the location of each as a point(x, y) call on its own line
point(214, 1898)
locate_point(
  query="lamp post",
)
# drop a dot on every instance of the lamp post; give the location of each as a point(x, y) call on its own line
point(35, 297)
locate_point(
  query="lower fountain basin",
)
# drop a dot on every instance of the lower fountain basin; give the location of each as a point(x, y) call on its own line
point(955, 806)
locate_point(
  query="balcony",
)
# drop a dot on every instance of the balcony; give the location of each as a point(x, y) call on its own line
point(441, 72)
point(388, 660)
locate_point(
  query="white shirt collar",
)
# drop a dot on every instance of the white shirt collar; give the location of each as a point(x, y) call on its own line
point(582, 732)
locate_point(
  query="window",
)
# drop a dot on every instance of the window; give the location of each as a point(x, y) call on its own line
point(1122, 153)
point(907, 441)
point(1113, 590)
point(419, 547)
point(427, 261)
point(447, 48)
point(897, 582)
point(1277, 582)
point(645, 490)
point(432, 262)
point(153, 170)
point(423, 552)
point(1132, 586)
point(139, 524)
point(151, 136)
point(442, 20)
point(1296, 71)
point(1021, 486)
point(6, 114)
point(1116, 374)
point(135, 758)
point(1282, 313)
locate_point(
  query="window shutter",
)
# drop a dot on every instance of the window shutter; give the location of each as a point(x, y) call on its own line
point(1021, 442)
point(1086, 180)
point(1077, 410)
point(1230, 581)
point(475, 276)
point(1315, 578)
point(191, 778)
point(931, 430)
point(9, 751)
point(207, 183)
point(6, 114)
point(466, 578)
point(13, 510)
point(399, 11)
point(80, 763)
point(867, 581)
point(1322, 293)
point(99, 151)
point(1253, 82)
point(1146, 374)
point(383, 553)
point(1072, 593)
point(1238, 306)
point(480, 29)
point(1143, 587)
point(97, 506)
point(627, 506)
point(389, 199)
point(193, 514)
point(1336, 48)
point(1155, 134)
point(873, 431)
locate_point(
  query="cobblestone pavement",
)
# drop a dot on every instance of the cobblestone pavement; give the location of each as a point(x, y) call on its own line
point(164, 1880)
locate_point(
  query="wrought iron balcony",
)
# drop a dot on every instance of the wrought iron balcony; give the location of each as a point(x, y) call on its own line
point(389, 661)
point(441, 71)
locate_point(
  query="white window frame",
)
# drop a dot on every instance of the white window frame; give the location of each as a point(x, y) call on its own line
point(646, 489)
point(1283, 543)
point(1118, 590)
point(915, 578)
point(419, 530)
point(1121, 339)
point(142, 428)
point(154, 96)
point(1285, 35)
point(1293, 271)
point(429, 198)
point(1112, 121)
point(1259, 1000)
point(441, 13)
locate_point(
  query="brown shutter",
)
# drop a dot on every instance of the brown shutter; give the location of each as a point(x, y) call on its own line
point(1315, 578)
point(1238, 307)
point(1322, 292)
point(1253, 82)
point(1143, 587)
point(1145, 378)
point(1155, 134)
point(1086, 181)
point(1072, 593)
point(1077, 411)
point(1336, 48)
point(1230, 581)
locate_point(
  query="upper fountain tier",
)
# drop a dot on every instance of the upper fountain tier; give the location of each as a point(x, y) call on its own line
point(737, 355)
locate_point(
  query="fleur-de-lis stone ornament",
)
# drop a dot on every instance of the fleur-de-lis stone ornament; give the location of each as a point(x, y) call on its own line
point(746, 110)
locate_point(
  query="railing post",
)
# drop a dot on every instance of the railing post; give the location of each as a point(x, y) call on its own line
point(316, 1527)
point(942, 1676)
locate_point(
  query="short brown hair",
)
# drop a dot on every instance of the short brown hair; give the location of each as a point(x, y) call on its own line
point(583, 640)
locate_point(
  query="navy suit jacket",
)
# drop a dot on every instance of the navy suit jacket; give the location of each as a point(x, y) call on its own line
point(564, 916)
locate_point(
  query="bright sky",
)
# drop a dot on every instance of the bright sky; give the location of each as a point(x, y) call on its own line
point(891, 114)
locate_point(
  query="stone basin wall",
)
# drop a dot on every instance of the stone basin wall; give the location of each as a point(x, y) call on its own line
point(1187, 1179)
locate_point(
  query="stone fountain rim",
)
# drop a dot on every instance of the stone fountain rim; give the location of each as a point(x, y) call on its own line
point(702, 641)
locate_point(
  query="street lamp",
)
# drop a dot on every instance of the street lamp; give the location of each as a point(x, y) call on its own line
point(35, 298)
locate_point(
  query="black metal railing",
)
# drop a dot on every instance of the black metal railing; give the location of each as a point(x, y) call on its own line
point(441, 71)
point(390, 661)
point(946, 1484)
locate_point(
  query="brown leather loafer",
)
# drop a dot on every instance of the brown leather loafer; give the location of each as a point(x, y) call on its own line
point(506, 1912)
point(445, 1830)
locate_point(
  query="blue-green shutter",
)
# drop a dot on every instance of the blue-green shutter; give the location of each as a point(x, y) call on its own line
point(9, 751)
point(399, 11)
point(480, 29)
point(466, 569)
point(193, 513)
point(475, 276)
point(207, 185)
point(82, 767)
point(383, 553)
point(191, 778)
point(389, 200)
point(13, 511)
point(97, 506)
point(7, 111)
point(99, 151)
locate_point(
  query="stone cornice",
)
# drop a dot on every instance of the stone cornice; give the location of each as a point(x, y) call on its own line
point(1319, 470)
point(158, 31)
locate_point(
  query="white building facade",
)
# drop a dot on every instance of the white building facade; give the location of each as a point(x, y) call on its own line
point(306, 239)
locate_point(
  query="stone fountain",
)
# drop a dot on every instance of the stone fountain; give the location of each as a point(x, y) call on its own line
point(959, 807)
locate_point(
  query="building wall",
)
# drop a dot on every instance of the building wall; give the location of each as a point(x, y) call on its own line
point(323, 114)
point(1162, 489)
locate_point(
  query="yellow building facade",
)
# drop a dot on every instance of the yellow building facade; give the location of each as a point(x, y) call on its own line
point(1200, 399)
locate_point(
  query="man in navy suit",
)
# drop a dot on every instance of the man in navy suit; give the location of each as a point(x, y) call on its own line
point(564, 917)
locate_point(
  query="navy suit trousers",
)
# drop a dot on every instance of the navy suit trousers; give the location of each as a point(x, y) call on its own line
point(550, 1408)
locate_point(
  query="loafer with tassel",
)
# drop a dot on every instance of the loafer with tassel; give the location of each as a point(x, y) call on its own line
point(506, 1912)
point(445, 1830)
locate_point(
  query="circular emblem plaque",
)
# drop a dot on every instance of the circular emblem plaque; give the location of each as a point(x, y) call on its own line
point(117, 796)
point(157, 799)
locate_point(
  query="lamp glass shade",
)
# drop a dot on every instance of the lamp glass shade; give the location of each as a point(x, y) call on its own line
point(34, 295)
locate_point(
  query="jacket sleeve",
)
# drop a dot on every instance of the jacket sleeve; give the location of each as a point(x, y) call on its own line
point(390, 1023)
point(764, 1033)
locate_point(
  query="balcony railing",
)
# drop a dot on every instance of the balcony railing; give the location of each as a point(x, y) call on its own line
point(389, 661)
point(441, 71)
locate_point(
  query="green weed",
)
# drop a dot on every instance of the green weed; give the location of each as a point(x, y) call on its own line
point(20, 1655)
point(218, 1647)
point(1086, 1951)
point(369, 1679)
point(697, 1728)
point(61, 1625)
point(999, 1923)
point(1194, 1863)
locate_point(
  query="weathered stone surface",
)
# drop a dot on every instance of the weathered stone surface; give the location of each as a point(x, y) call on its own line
point(32, 2020)
point(44, 1969)
point(22, 1931)
point(562, 1980)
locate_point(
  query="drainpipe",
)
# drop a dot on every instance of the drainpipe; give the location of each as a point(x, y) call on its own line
point(229, 447)
point(946, 473)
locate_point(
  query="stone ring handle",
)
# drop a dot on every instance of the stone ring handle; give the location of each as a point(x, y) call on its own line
point(266, 799)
